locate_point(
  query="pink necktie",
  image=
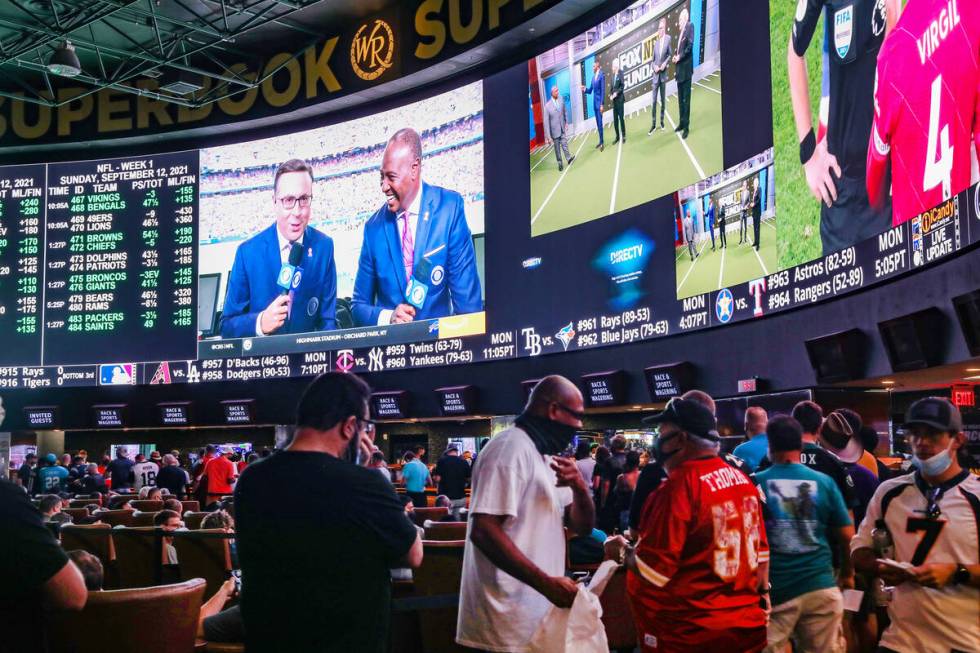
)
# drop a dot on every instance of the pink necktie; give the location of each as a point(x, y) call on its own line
point(408, 245)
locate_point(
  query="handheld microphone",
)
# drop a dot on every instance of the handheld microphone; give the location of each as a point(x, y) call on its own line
point(290, 276)
point(288, 270)
point(417, 289)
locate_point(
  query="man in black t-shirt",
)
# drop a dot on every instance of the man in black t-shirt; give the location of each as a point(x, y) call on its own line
point(318, 532)
point(120, 471)
point(36, 573)
point(451, 473)
point(25, 475)
point(172, 477)
point(810, 416)
point(835, 166)
point(606, 511)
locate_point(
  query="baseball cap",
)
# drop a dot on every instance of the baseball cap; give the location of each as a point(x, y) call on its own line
point(155, 455)
point(689, 416)
point(51, 458)
point(936, 412)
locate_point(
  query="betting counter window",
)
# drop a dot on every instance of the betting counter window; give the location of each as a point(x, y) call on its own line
point(373, 227)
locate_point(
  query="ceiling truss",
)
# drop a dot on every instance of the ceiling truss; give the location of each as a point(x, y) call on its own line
point(122, 41)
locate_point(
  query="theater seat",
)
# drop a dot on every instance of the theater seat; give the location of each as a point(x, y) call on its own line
point(81, 503)
point(438, 579)
point(76, 513)
point(117, 517)
point(443, 531)
point(93, 538)
point(147, 505)
point(162, 619)
point(138, 560)
point(144, 519)
point(192, 520)
point(420, 515)
point(204, 557)
point(192, 506)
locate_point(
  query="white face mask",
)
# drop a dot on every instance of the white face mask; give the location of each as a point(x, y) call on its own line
point(934, 465)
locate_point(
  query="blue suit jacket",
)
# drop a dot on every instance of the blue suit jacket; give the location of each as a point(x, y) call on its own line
point(252, 285)
point(597, 89)
point(443, 237)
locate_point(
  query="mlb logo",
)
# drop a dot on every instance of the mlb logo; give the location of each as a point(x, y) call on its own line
point(843, 29)
point(917, 254)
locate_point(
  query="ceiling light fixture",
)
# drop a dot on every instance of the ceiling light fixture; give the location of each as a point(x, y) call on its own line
point(887, 383)
point(64, 61)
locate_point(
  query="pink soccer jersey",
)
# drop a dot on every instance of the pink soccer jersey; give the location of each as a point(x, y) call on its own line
point(927, 106)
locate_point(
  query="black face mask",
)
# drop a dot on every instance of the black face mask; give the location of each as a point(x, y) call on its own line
point(549, 437)
point(658, 448)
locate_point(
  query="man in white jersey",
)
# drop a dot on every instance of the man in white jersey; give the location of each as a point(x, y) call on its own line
point(933, 518)
point(144, 473)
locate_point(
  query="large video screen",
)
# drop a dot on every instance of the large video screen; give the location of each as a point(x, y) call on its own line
point(337, 200)
point(683, 164)
point(648, 84)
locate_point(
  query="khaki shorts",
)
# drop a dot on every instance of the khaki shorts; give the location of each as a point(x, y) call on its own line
point(812, 620)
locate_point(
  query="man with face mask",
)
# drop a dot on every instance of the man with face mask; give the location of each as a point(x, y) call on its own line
point(700, 565)
point(318, 532)
point(933, 519)
point(653, 473)
point(522, 494)
point(417, 261)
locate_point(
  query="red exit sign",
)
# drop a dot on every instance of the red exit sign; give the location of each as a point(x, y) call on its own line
point(748, 385)
point(963, 396)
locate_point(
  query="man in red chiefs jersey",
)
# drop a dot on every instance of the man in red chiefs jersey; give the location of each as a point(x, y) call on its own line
point(699, 572)
point(927, 107)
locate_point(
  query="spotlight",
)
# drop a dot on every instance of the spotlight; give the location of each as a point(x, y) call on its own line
point(64, 61)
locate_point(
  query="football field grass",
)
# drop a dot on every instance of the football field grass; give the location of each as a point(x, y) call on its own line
point(642, 168)
point(799, 211)
point(725, 267)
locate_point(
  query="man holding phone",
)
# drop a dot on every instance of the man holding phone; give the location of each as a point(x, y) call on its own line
point(318, 532)
point(932, 517)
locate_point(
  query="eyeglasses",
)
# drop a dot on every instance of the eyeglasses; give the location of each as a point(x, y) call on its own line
point(574, 413)
point(370, 426)
point(289, 202)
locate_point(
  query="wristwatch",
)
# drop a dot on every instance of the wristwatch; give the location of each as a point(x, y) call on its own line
point(961, 576)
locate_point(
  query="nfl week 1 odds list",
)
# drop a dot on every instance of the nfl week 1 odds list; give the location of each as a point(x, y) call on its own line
point(98, 261)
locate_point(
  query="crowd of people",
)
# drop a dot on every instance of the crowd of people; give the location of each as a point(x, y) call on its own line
point(801, 537)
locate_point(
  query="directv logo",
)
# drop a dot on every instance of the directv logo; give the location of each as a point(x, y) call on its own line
point(532, 262)
point(625, 254)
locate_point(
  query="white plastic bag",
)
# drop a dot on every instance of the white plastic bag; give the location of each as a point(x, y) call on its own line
point(577, 629)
